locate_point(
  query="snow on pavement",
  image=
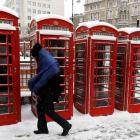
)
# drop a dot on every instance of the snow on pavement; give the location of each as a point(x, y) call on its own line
point(119, 126)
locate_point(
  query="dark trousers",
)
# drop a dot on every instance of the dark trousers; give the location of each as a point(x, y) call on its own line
point(42, 123)
point(45, 105)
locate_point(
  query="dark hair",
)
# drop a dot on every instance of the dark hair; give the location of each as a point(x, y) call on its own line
point(35, 50)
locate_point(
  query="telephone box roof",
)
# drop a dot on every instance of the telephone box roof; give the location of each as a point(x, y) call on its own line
point(129, 30)
point(50, 16)
point(91, 24)
point(8, 10)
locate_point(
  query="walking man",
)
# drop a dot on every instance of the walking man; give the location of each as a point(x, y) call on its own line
point(46, 86)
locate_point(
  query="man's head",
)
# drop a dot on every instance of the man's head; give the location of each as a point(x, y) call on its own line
point(35, 50)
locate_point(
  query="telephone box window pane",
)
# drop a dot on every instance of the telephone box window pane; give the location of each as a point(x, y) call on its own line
point(80, 70)
point(3, 80)
point(136, 64)
point(135, 101)
point(11, 109)
point(3, 60)
point(3, 50)
point(3, 109)
point(3, 90)
point(3, 69)
point(55, 43)
point(137, 50)
point(10, 49)
point(120, 79)
point(10, 89)
point(57, 53)
point(80, 77)
point(121, 50)
point(136, 73)
point(61, 71)
point(11, 99)
point(80, 62)
point(2, 38)
point(102, 72)
point(3, 100)
point(81, 54)
point(101, 95)
point(100, 103)
point(80, 100)
point(136, 57)
point(120, 57)
point(59, 106)
point(67, 53)
point(9, 38)
point(120, 71)
point(61, 62)
point(80, 91)
point(10, 59)
point(118, 96)
point(10, 80)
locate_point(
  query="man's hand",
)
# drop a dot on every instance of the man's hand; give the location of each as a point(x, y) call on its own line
point(35, 91)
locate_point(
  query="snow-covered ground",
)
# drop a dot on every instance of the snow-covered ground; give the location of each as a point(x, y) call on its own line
point(119, 126)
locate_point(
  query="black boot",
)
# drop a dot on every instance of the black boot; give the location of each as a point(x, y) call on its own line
point(41, 132)
point(66, 130)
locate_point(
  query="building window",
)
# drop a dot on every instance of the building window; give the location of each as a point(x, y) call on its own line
point(34, 11)
point(48, 6)
point(34, 3)
point(48, 12)
point(29, 2)
point(39, 4)
point(28, 24)
point(81, 19)
point(109, 14)
point(39, 11)
point(135, 10)
point(44, 5)
point(44, 12)
point(29, 17)
point(18, 10)
point(29, 10)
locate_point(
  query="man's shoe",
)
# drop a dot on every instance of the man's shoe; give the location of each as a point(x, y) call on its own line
point(66, 130)
point(41, 132)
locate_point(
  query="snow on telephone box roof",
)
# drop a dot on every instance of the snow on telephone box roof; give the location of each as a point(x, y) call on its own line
point(40, 17)
point(129, 30)
point(4, 26)
point(8, 10)
point(91, 24)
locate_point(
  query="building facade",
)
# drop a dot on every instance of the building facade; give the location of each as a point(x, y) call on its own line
point(121, 13)
point(29, 8)
point(134, 11)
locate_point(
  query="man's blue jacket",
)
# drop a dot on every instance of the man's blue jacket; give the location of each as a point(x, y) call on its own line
point(47, 68)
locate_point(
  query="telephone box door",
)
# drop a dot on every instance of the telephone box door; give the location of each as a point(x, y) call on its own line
point(81, 94)
point(121, 76)
point(103, 77)
point(134, 79)
point(8, 100)
point(61, 50)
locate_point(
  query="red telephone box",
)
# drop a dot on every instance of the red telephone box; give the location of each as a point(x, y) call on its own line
point(55, 33)
point(95, 61)
point(127, 71)
point(10, 109)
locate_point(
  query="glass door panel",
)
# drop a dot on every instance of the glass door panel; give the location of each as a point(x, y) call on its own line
point(80, 77)
point(120, 101)
point(6, 75)
point(103, 62)
point(60, 51)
